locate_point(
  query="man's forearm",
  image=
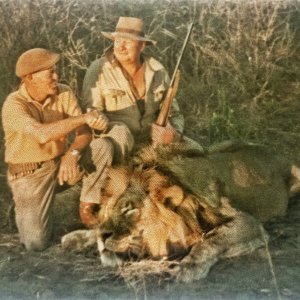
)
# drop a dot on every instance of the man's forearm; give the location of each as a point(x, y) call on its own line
point(45, 133)
point(81, 141)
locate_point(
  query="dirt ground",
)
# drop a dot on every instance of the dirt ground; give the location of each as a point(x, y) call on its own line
point(269, 273)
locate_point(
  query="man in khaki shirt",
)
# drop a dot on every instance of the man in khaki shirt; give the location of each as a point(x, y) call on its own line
point(128, 87)
point(37, 119)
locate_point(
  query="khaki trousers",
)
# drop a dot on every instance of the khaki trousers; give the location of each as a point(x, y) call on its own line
point(101, 153)
point(33, 196)
point(34, 193)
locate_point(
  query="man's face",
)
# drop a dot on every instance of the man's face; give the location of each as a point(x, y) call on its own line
point(45, 81)
point(128, 51)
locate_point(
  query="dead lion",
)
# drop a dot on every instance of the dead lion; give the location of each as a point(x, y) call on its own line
point(194, 208)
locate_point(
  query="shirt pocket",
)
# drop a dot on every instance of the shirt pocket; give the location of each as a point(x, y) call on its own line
point(159, 92)
point(115, 99)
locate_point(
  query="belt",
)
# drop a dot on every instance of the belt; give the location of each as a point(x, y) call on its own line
point(23, 168)
point(19, 170)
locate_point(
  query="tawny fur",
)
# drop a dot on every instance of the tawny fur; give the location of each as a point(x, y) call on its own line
point(156, 210)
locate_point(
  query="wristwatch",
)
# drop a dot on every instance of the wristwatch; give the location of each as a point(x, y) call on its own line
point(75, 152)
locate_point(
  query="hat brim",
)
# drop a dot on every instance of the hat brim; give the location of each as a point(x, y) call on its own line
point(113, 35)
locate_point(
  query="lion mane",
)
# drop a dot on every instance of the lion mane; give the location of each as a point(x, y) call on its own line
point(153, 217)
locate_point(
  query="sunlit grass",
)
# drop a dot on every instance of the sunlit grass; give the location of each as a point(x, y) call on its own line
point(240, 73)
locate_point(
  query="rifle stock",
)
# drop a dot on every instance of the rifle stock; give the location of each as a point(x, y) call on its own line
point(164, 112)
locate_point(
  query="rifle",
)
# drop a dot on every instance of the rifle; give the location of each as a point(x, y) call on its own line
point(162, 118)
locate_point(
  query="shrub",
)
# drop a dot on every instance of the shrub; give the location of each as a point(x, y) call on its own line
point(240, 73)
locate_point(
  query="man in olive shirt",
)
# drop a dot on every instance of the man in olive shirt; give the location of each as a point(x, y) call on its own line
point(37, 119)
point(128, 88)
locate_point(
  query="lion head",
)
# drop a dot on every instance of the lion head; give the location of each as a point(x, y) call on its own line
point(144, 213)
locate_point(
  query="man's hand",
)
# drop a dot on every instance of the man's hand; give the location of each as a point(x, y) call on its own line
point(164, 135)
point(96, 120)
point(69, 169)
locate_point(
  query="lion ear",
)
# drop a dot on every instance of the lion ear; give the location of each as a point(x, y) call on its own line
point(172, 196)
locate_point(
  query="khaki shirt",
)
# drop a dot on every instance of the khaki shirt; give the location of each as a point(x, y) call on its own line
point(20, 110)
point(106, 88)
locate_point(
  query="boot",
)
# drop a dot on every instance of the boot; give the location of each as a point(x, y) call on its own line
point(88, 213)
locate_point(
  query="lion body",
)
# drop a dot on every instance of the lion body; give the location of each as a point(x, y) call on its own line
point(197, 208)
point(252, 177)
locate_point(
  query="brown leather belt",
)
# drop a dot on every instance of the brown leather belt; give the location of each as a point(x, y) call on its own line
point(19, 170)
point(23, 168)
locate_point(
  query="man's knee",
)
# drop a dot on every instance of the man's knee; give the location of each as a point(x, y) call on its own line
point(122, 140)
point(36, 242)
point(101, 146)
point(35, 232)
point(123, 136)
point(35, 245)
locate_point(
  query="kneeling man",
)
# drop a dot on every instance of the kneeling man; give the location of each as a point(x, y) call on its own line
point(37, 119)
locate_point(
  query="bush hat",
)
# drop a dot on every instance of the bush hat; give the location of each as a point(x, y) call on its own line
point(131, 28)
point(35, 60)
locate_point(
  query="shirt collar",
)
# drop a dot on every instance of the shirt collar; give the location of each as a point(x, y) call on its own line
point(24, 93)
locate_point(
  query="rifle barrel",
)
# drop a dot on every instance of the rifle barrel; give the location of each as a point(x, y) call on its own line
point(181, 52)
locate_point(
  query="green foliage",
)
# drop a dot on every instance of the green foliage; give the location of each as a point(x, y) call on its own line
point(240, 74)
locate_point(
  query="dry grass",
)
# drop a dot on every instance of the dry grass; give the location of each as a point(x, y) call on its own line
point(135, 274)
point(240, 73)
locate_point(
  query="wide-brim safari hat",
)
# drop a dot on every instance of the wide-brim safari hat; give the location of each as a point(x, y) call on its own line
point(130, 28)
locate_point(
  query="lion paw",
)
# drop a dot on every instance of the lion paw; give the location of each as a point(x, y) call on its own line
point(136, 246)
point(191, 271)
point(79, 240)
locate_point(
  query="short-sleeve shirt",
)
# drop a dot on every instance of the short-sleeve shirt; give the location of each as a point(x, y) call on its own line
point(106, 88)
point(20, 111)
